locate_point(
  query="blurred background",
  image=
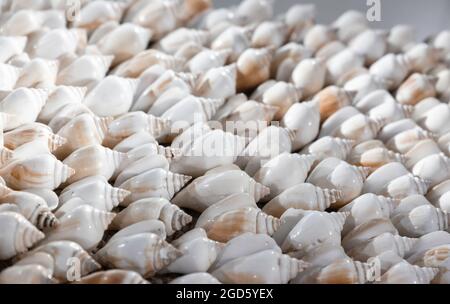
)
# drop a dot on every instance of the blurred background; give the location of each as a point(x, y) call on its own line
point(428, 17)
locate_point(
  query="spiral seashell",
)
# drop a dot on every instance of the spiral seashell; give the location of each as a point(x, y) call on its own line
point(96, 191)
point(371, 44)
point(375, 158)
point(364, 85)
point(345, 271)
point(433, 168)
point(94, 160)
point(309, 75)
point(152, 208)
point(11, 46)
point(58, 98)
point(84, 225)
point(436, 119)
point(342, 63)
point(196, 278)
point(26, 274)
point(401, 37)
point(406, 185)
point(207, 59)
point(350, 24)
point(92, 15)
point(318, 36)
point(367, 231)
point(150, 254)
point(329, 147)
point(23, 22)
point(331, 99)
point(436, 256)
point(18, 236)
point(302, 196)
point(9, 75)
point(23, 98)
point(32, 207)
point(391, 68)
point(114, 276)
point(62, 42)
point(140, 166)
point(282, 95)
point(253, 68)
point(176, 39)
point(334, 122)
point(39, 73)
point(223, 78)
point(133, 141)
point(269, 33)
point(438, 195)
point(416, 88)
point(235, 38)
point(299, 17)
point(423, 57)
point(273, 173)
point(405, 273)
point(404, 141)
point(360, 128)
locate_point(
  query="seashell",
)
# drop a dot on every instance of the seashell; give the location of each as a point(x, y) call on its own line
point(341, 63)
point(425, 243)
point(61, 252)
point(359, 128)
point(196, 278)
point(85, 70)
point(96, 191)
point(273, 268)
point(405, 273)
point(391, 68)
point(441, 41)
point(331, 99)
point(124, 42)
point(48, 195)
point(404, 141)
point(385, 242)
point(211, 150)
point(299, 17)
point(176, 39)
point(302, 196)
point(38, 258)
point(371, 44)
point(140, 166)
point(436, 257)
point(39, 73)
point(9, 75)
point(286, 58)
point(199, 252)
point(83, 130)
point(84, 225)
point(307, 235)
point(161, 209)
point(401, 38)
point(154, 183)
point(269, 143)
point(235, 38)
point(7, 207)
point(327, 146)
point(114, 276)
point(58, 42)
point(436, 119)
point(269, 33)
point(229, 106)
point(93, 160)
point(208, 189)
point(26, 274)
point(404, 186)
point(150, 254)
point(30, 132)
point(218, 82)
point(94, 14)
point(273, 173)
point(66, 113)
point(422, 57)
point(309, 75)
point(23, 98)
point(19, 235)
point(416, 88)
point(282, 95)
point(421, 220)
point(135, 140)
point(11, 46)
point(207, 59)
point(40, 171)
point(422, 108)
point(255, 11)
point(433, 168)
point(318, 36)
point(217, 218)
point(409, 203)
point(148, 226)
point(345, 271)
point(23, 22)
point(253, 68)
point(32, 207)
point(369, 154)
point(367, 207)
point(333, 173)
point(438, 195)
point(329, 50)
point(61, 96)
point(350, 24)
point(364, 85)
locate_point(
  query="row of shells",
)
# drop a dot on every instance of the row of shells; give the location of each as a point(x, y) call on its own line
point(107, 118)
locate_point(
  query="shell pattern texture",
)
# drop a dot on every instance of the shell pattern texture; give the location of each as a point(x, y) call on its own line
point(168, 141)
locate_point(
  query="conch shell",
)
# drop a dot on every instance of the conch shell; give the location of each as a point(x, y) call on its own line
point(114, 276)
point(405, 273)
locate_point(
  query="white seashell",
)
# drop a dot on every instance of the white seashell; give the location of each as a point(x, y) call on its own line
point(66, 113)
point(8, 75)
point(350, 24)
point(269, 33)
point(373, 154)
point(83, 130)
point(231, 104)
point(342, 63)
point(273, 174)
point(299, 17)
point(265, 267)
point(409, 203)
point(436, 119)
point(318, 36)
point(327, 146)
point(253, 68)
point(18, 236)
point(154, 183)
point(401, 37)
point(282, 95)
point(140, 166)
point(442, 41)
point(101, 31)
point(39, 171)
point(58, 42)
point(85, 70)
point(207, 59)
point(96, 191)
point(329, 50)
point(309, 74)
point(331, 99)
point(150, 253)
point(93, 14)
point(208, 189)
point(133, 141)
point(421, 220)
point(114, 276)
point(364, 85)
point(359, 128)
point(24, 98)
point(237, 39)
point(367, 231)
point(94, 160)
point(148, 226)
point(391, 68)
point(314, 229)
point(11, 46)
point(433, 168)
point(334, 122)
point(423, 57)
point(367, 207)
point(61, 96)
point(343, 271)
point(176, 39)
point(124, 42)
point(422, 107)
point(302, 196)
point(199, 252)
point(161, 209)
point(30, 132)
point(218, 82)
point(405, 273)
point(39, 73)
point(32, 207)
point(84, 225)
point(61, 252)
point(23, 22)
point(48, 195)
point(404, 186)
point(439, 195)
point(26, 274)
point(416, 88)
point(196, 278)
point(371, 44)
point(404, 141)
point(427, 242)
point(217, 218)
